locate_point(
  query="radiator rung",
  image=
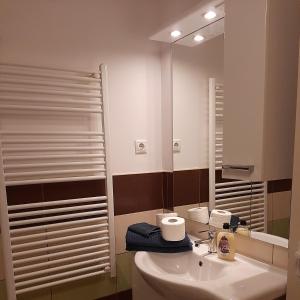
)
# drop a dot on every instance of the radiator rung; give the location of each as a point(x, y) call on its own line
point(62, 246)
point(57, 218)
point(58, 282)
point(63, 239)
point(61, 253)
point(47, 234)
point(59, 261)
point(64, 267)
point(34, 213)
point(63, 274)
point(57, 225)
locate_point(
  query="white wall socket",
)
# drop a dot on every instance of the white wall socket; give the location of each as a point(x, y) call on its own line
point(141, 146)
point(176, 145)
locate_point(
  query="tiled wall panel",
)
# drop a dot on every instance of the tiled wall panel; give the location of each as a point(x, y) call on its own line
point(138, 192)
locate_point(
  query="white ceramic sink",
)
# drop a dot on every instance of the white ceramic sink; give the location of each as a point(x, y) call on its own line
point(191, 276)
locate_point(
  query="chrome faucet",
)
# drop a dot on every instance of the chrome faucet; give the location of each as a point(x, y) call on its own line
point(211, 241)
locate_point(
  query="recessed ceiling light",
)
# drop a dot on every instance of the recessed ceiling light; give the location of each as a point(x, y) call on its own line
point(198, 38)
point(210, 15)
point(175, 33)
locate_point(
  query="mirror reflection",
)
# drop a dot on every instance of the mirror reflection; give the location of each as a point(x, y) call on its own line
point(198, 116)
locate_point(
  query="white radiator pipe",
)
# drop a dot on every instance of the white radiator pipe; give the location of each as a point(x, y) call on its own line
point(64, 253)
point(50, 100)
point(211, 142)
point(48, 92)
point(49, 84)
point(58, 282)
point(58, 247)
point(57, 218)
point(25, 238)
point(31, 108)
point(60, 260)
point(57, 225)
point(59, 275)
point(56, 203)
point(43, 133)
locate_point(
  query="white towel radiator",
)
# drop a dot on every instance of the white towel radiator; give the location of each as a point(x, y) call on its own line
point(53, 128)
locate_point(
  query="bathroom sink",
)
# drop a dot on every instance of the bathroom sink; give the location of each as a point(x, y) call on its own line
point(192, 276)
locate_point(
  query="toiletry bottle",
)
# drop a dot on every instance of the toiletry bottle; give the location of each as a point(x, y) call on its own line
point(226, 243)
point(243, 229)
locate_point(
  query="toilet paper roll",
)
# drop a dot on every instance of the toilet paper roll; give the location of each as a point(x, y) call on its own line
point(159, 217)
point(219, 217)
point(173, 229)
point(199, 214)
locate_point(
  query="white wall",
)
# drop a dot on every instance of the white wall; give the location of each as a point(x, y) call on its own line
point(82, 34)
point(192, 67)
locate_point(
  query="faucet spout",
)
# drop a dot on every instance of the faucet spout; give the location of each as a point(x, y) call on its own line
point(211, 241)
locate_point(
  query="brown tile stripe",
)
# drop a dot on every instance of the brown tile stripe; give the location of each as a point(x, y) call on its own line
point(192, 186)
point(69, 190)
point(168, 190)
point(134, 192)
point(22, 194)
point(49, 192)
point(275, 186)
point(204, 185)
point(138, 192)
point(186, 187)
point(124, 295)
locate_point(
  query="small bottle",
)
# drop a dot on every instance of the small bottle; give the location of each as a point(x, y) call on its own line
point(243, 229)
point(226, 243)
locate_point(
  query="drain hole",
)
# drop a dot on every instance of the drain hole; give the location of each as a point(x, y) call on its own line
point(200, 263)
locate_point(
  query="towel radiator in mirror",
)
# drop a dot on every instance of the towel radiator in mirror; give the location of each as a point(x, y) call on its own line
point(242, 198)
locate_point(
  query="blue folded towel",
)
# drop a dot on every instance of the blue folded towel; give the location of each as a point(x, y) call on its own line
point(155, 243)
point(144, 229)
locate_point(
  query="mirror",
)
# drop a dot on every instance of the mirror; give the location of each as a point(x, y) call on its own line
point(198, 95)
point(193, 63)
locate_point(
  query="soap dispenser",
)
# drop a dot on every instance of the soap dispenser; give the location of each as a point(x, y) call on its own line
point(243, 229)
point(226, 244)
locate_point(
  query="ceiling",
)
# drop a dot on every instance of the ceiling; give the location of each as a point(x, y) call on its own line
point(195, 23)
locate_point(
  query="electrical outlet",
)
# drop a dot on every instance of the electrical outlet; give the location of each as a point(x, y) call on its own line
point(141, 146)
point(176, 145)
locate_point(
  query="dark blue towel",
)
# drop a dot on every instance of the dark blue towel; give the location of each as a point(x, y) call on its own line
point(144, 229)
point(155, 243)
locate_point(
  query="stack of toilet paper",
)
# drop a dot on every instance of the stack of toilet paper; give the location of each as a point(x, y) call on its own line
point(159, 217)
point(173, 229)
point(199, 214)
point(219, 217)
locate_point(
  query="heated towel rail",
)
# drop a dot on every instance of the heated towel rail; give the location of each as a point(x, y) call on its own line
point(53, 128)
point(245, 199)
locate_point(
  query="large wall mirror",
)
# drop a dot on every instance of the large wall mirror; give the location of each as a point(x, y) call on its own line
point(198, 99)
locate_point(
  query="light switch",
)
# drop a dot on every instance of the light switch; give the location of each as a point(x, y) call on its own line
point(141, 146)
point(176, 145)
